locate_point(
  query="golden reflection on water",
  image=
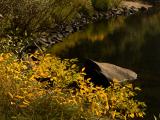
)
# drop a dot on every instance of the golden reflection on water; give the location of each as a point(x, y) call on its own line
point(92, 34)
point(131, 42)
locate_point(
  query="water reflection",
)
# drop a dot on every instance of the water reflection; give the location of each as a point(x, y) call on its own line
point(132, 42)
point(91, 42)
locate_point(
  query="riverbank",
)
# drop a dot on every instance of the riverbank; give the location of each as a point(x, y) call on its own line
point(62, 31)
point(137, 5)
point(26, 32)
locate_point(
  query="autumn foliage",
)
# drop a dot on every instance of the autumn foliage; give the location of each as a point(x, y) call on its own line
point(23, 97)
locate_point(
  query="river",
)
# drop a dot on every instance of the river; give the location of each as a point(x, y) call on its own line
point(132, 42)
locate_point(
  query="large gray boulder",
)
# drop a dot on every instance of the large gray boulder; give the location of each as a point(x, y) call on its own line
point(104, 73)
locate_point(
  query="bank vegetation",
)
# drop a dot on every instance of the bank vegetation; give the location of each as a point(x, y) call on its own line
point(65, 94)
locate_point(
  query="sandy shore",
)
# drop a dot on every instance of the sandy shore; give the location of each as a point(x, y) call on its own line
point(135, 4)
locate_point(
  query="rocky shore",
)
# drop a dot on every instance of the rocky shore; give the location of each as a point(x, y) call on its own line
point(60, 32)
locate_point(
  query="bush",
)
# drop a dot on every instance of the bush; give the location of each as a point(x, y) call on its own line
point(25, 21)
point(117, 3)
point(23, 97)
point(32, 15)
point(86, 7)
point(103, 5)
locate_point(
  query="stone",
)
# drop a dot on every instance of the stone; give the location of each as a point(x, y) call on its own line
point(102, 74)
point(1, 16)
point(53, 42)
point(118, 12)
point(44, 43)
point(114, 9)
point(65, 34)
point(120, 9)
point(59, 39)
point(69, 29)
point(59, 35)
point(134, 9)
point(107, 15)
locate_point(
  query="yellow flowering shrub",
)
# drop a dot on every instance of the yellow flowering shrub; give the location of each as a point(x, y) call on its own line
point(23, 97)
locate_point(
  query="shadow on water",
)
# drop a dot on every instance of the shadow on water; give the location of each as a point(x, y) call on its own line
point(132, 42)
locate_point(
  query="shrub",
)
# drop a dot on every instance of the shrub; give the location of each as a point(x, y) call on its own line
point(23, 97)
point(86, 7)
point(32, 15)
point(25, 21)
point(103, 5)
point(117, 3)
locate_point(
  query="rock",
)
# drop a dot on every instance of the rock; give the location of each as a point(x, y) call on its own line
point(84, 20)
point(69, 29)
point(65, 34)
point(118, 12)
point(121, 10)
point(102, 74)
point(107, 16)
point(1, 16)
point(114, 9)
point(94, 18)
point(50, 41)
point(135, 10)
point(44, 42)
point(88, 22)
point(54, 36)
point(53, 42)
point(43, 39)
point(59, 39)
point(59, 35)
point(101, 15)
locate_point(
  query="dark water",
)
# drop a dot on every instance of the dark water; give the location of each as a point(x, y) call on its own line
point(132, 42)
